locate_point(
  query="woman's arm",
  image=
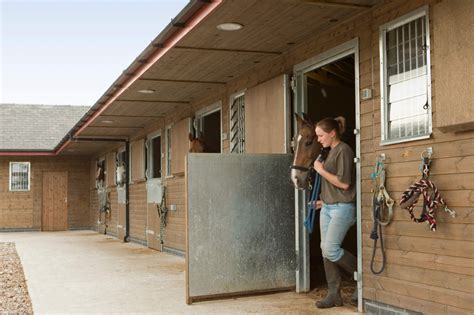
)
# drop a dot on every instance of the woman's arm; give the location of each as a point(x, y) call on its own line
point(319, 167)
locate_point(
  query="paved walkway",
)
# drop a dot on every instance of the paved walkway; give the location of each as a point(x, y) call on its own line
point(85, 272)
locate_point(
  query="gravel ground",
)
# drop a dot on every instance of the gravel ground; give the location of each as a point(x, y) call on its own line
point(14, 297)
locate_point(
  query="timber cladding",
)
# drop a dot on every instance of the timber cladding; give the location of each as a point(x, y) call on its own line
point(429, 272)
point(23, 210)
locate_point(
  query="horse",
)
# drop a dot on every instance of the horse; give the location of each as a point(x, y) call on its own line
point(100, 174)
point(306, 152)
point(196, 145)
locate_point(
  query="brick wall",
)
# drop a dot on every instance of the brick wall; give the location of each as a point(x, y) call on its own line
point(22, 210)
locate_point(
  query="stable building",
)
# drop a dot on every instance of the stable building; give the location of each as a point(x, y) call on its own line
point(234, 73)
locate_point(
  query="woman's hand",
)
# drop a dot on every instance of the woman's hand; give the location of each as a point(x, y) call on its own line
point(318, 204)
point(318, 166)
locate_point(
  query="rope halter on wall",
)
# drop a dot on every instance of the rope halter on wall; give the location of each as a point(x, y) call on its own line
point(431, 197)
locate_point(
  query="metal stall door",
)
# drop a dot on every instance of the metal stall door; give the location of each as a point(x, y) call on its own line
point(240, 225)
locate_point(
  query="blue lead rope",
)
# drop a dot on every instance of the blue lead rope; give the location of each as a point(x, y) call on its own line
point(309, 221)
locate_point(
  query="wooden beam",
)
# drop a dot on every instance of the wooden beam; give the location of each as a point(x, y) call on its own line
point(133, 116)
point(228, 50)
point(114, 127)
point(151, 101)
point(182, 81)
point(333, 4)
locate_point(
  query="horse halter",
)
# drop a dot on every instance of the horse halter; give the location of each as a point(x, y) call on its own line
point(301, 168)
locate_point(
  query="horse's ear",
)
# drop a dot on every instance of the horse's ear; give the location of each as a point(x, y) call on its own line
point(307, 119)
point(191, 138)
point(299, 121)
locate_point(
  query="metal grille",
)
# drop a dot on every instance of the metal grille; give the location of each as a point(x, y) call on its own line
point(407, 80)
point(237, 125)
point(19, 176)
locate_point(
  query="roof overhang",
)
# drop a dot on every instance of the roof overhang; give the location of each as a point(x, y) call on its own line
point(192, 59)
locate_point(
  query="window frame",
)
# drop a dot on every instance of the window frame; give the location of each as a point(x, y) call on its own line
point(202, 113)
point(168, 151)
point(10, 176)
point(149, 155)
point(120, 151)
point(383, 30)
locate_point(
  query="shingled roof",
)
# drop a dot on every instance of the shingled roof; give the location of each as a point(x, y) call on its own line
point(36, 127)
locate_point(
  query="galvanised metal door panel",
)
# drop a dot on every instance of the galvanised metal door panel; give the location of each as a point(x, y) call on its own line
point(240, 224)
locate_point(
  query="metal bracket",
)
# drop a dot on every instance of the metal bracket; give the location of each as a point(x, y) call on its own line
point(427, 153)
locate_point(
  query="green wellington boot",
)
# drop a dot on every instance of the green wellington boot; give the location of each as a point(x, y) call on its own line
point(348, 262)
point(333, 277)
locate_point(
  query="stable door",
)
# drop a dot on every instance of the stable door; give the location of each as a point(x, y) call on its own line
point(54, 212)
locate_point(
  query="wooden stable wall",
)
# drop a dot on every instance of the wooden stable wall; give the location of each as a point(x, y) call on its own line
point(23, 210)
point(429, 272)
point(265, 117)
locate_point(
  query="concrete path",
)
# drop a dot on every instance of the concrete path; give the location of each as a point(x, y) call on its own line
point(85, 272)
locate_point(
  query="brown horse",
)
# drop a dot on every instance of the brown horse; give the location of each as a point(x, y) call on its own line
point(196, 145)
point(307, 149)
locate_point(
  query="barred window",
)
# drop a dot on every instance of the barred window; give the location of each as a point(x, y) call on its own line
point(19, 176)
point(406, 81)
point(237, 124)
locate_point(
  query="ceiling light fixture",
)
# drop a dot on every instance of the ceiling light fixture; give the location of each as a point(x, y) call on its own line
point(146, 91)
point(229, 27)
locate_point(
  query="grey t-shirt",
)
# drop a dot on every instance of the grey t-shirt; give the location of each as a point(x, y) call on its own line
point(340, 162)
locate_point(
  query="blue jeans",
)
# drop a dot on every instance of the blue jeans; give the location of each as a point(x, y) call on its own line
point(335, 221)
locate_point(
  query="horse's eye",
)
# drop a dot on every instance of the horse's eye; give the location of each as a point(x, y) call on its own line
point(308, 143)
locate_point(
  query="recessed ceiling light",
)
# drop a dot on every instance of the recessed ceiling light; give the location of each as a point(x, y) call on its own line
point(146, 91)
point(229, 27)
point(107, 121)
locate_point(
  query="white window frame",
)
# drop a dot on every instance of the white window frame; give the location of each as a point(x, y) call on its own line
point(149, 157)
point(10, 176)
point(168, 150)
point(200, 114)
point(231, 101)
point(384, 29)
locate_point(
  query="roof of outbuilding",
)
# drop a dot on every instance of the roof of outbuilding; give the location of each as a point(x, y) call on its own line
point(36, 127)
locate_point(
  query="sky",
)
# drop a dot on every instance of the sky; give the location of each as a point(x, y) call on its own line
point(69, 52)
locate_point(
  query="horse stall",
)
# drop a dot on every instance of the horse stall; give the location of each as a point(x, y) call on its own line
point(327, 86)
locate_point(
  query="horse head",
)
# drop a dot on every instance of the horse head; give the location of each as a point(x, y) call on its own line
point(196, 145)
point(307, 149)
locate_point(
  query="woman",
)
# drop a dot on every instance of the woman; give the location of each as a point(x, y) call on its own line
point(337, 206)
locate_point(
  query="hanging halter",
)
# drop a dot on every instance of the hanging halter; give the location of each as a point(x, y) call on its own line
point(431, 201)
point(381, 211)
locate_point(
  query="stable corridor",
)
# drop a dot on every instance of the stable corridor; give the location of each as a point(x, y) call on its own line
point(86, 272)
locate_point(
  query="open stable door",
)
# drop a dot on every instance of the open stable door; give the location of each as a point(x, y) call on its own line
point(240, 225)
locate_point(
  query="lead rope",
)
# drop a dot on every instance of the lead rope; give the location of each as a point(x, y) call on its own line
point(382, 212)
point(162, 212)
point(309, 221)
point(431, 201)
